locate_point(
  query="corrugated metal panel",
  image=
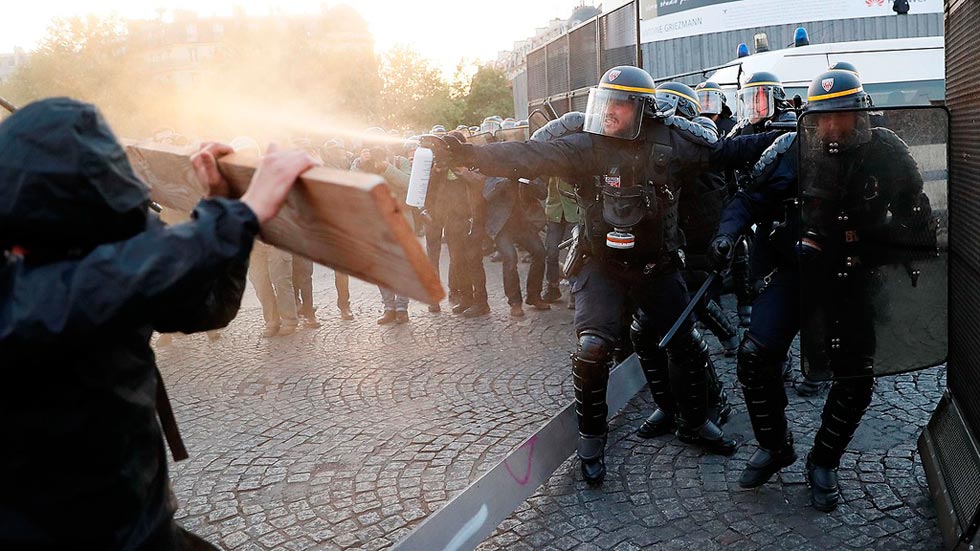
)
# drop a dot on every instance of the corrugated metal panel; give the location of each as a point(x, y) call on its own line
point(682, 55)
point(617, 38)
point(557, 53)
point(519, 85)
point(583, 60)
point(537, 80)
point(962, 68)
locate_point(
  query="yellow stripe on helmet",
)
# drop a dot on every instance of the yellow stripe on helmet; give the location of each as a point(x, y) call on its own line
point(836, 94)
point(628, 88)
point(676, 93)
point(754, 84)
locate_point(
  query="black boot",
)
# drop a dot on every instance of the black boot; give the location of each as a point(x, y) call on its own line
point(764, 463)
point(824, 488)
point(708, 436)
point(592, 456)
point(659, 423)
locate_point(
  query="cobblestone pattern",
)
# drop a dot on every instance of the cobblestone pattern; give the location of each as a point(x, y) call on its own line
point(347, 436)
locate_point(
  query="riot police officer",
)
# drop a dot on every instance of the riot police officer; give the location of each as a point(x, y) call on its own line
point(864, 173)
point(714, 105)
point(761, 102)
point(642, 158)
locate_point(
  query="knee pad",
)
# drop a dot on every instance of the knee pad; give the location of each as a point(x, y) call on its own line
point(755, 361)
point(644, 340)
point(592, 349)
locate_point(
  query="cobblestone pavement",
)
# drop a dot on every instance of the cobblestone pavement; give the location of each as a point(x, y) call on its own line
point(347, 436)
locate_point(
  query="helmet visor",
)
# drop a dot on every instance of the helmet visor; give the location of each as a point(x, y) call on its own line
point(711, 102)
point(490, 127)
point(614, 113)
point(756, 103)
point(846, 128)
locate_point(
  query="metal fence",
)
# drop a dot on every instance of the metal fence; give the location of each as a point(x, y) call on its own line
point(562, 71)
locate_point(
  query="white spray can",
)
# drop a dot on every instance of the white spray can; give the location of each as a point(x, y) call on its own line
point(418, 183)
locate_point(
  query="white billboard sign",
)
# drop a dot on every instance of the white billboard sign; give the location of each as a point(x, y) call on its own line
point(667, 19)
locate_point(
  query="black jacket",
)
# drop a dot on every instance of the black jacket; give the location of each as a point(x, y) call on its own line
point(83, 454)
point(580, 155)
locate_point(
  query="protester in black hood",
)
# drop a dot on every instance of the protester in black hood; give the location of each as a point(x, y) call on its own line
point(87, 274)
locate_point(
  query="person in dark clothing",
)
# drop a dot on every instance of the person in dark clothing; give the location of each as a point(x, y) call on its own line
point(466, 243)
point(513, 215)
point(836, 198)
point(88, 274)
point(629, 166)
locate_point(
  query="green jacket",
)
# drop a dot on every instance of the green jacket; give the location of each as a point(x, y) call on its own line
point(557, 204)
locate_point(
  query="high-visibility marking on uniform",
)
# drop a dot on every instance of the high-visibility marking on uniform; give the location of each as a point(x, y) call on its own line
point(836, 94)
point(754, 84)
point(628, 88)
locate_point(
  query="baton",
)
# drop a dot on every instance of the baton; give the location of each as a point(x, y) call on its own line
point(7, 105)
point(566, 243)
point(687, 311)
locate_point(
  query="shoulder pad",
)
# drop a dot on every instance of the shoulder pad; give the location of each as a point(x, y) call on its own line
point(693, 131)
point(889, 138)
point(737, 129)
point(786, 116)
point(569, 123)
point(773, 152)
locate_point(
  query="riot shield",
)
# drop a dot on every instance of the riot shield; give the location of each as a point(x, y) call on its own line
point(872, 241)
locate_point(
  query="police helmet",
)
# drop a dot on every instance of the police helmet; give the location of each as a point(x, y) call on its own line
point(835, 90)
point(679, 97)
point(438, 130)
point(491, 124)
point(616, 105)
point(512, 131)
point(712, 99)
point(844, 66)
point(760, 97)
point(833, 109)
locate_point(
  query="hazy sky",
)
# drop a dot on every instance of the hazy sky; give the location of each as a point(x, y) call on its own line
point(441, 30)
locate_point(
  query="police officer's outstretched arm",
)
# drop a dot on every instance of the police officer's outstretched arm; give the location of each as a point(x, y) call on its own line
point(737, 151)
point(567, 156)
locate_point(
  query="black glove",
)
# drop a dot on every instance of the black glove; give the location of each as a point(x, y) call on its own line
point(447, 151)
point(722, 251)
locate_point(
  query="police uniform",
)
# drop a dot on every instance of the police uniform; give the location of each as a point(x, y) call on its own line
point(639, 176)
point(871, 175)
point(699, 211)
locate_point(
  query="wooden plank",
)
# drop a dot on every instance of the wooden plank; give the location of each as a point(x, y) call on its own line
point(345, 220)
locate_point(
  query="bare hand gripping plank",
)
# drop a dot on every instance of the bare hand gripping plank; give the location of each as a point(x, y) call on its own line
point(344, 220)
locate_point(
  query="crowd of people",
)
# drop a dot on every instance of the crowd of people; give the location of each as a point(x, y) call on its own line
point(660, 188)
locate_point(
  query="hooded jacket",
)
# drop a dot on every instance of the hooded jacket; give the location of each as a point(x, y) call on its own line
point(83, 455)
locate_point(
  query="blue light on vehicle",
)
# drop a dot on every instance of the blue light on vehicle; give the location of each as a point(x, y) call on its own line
point(801, 38)
point(742, 50)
